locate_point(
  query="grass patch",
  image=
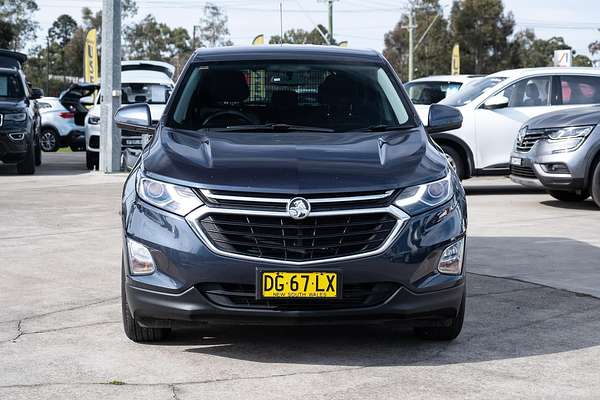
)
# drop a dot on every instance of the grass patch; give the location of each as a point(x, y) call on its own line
point(65, 150)
point(115, 382)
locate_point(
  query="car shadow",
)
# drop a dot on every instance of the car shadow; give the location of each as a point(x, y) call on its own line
point(53, 164)
point(506, 318)
point(575, 205)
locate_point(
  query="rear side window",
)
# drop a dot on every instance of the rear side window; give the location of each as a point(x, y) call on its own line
point(579, 89)
point(336, 96)
point(430, 92)
point(11, 86)
point(529, 92)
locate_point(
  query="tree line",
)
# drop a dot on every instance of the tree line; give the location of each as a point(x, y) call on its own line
point(483, 29)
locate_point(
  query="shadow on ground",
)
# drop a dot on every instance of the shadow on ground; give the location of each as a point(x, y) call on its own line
point(57, 164)
point(572, 205)
point(506, 319)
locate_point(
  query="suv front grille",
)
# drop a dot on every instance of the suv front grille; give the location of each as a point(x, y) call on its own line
point(244, 296)
point(283, 238)
point(524, 172)
point(525, 143)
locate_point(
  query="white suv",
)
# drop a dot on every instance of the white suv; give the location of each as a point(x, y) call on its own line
point(495, 107)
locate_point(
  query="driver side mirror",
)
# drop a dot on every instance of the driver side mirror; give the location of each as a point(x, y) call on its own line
point(135, 117)
point(37, 93)
point(443, 118)
point(496, 102)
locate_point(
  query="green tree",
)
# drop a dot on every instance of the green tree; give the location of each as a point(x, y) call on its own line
point(300, 36)
point(482, 30)
point(60, 33)
point(433, 54)
point(213, 27)
point(17, 24)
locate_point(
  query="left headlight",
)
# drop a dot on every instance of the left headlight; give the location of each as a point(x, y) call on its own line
point(570, 138)
point(177, 199)
point(417, 199)
point(17, 117)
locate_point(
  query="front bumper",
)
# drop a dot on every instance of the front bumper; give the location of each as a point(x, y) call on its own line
point(173, 295)
point(11, 150)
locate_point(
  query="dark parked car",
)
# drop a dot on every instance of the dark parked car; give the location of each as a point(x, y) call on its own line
point(19, 115)
point(560, 151)
point(256, 204)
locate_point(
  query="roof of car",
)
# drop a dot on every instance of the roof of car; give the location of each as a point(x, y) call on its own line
point(447, 78)
point(510, 73)
point(284, 52)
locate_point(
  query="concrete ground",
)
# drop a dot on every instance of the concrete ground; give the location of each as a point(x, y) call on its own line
point(532, 328)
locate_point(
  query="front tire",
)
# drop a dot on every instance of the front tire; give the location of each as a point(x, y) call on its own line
point(92, 160)
point(27, 166)
point(49, 140)
point(567, 196)
point(455, 160)
point(445, 333)
point(595, 186)
point(133, 330)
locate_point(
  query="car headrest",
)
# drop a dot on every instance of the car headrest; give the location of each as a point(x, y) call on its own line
point(531, 91)
point(284, 99)
point(227, 85)
point(337, 89)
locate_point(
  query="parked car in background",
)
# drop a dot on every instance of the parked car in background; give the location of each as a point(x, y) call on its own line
point(63, 118)
point(495, 107)
point(253, 205)
point(149, 82)
point(435, 88)
point(560, 151)
point(19, 115)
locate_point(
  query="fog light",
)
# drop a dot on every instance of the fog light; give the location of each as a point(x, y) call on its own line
point(451, 261)
point(140, 259)
point(555, 168)
point(16, 136)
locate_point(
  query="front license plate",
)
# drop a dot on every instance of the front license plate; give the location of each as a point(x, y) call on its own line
point(516, 161)
point(274, 284)
point(133, 141)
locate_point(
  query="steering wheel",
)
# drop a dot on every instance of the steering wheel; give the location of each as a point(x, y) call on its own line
point(234, 113)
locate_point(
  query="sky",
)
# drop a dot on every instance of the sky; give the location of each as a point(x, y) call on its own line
point(361, 23)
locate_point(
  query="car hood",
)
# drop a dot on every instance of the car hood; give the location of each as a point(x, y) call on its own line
point(570, 117)
point(12, 106)
point(294, 162)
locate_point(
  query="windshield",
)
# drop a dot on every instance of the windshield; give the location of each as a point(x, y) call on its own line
point(472, 91)
point(335, 96)
point(151, 93)
point(430, 92)
point(11, 86)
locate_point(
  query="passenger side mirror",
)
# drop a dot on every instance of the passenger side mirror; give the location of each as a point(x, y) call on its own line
point(37, 93)
point(495, 102)
point(443, 118)
point(135, 117)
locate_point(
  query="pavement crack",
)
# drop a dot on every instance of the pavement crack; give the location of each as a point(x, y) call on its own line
point(31, 317)
point(174, 392)
point(21, 333)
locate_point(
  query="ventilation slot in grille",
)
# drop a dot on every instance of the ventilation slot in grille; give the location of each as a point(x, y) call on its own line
point(526, 143)
point(283, 238)
point(524, 172)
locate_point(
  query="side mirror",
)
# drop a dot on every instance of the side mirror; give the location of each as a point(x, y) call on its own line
point(496, 102)
point(443, 118)
point(37, 93)
point(135, 117)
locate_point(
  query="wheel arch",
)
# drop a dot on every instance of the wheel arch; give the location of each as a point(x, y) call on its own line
point(589, 172)
point(460, 146)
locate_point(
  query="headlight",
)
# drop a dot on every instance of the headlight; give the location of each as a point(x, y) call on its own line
point(570, 138)
point(176, 199)
point(93, 120)
point(569, 132)
point(417, 199)
point(17, 117)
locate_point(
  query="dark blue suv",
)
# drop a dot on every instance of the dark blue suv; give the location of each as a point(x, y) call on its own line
point(291, 185)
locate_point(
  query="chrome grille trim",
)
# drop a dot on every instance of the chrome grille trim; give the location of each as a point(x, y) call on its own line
point(283, 200)
point(195, 216)
point(527, 141)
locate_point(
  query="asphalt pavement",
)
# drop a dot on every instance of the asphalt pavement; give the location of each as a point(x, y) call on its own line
point(532, 328)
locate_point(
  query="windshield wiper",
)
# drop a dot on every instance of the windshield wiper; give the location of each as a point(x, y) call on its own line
point(274, 128)
point(384, 128)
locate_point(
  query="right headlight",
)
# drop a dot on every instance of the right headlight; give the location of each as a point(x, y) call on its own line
point(177, 199)
point(93, 120)
point(416, 199)
point(568, 138)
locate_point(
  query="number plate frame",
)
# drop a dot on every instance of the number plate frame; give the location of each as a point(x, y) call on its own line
point(261, 270)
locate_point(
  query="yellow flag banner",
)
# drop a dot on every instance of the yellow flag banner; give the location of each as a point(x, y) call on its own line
point(455, 67)
point(90, 57)
point(260, 39)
